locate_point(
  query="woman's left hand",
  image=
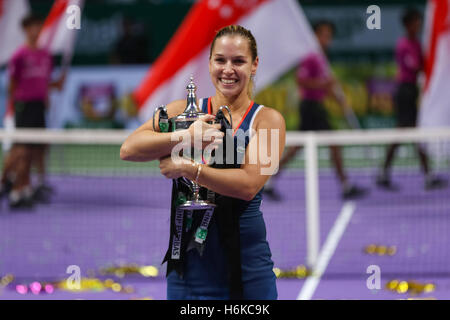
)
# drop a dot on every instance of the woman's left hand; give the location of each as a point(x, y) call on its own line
point(174, 170)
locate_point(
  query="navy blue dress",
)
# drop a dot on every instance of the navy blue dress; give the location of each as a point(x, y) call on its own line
point(205, 276)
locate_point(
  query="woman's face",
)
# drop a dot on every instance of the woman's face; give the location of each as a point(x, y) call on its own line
point(231, 65)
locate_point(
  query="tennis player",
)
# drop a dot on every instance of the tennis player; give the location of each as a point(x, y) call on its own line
point(315, 83)
point(236, 261)
point(30, 71)
point(409, 58)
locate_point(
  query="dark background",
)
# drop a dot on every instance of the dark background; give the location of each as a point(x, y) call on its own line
point(157, 20)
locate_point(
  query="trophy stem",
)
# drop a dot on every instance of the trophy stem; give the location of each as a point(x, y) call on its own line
point(183, 121)
point(196, 190)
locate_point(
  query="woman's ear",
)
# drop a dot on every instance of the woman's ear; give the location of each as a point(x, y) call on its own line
point(255, 66)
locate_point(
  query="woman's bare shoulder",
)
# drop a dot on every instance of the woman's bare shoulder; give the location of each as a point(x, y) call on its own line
point(268, 117)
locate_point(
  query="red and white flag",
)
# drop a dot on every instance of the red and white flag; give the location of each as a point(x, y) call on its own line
point(282, 32)
point(55, 35)
point(435, 106)
point(11, 35)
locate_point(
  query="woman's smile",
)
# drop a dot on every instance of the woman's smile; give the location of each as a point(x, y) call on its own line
point(228, 82)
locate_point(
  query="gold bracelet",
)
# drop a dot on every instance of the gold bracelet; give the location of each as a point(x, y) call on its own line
point(199, 169)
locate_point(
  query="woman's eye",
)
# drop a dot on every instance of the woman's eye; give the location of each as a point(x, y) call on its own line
point(220, 60)
point(239, 61)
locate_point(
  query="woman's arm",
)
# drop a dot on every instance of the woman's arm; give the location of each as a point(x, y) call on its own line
point(146, 143)
point(261, 161)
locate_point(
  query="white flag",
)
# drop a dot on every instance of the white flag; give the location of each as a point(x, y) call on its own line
point(11, 34)
point(56, 36)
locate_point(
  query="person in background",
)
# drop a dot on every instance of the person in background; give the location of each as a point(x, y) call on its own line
point(315, 83)
point(409, 59)
point(30, 71)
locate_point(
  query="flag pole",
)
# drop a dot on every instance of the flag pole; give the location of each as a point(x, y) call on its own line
point(349, 114)
point(67, 56)
point(69, 52)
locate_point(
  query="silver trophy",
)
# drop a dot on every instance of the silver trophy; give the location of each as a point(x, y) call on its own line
point(181, 122)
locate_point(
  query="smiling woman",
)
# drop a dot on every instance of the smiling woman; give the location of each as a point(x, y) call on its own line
point(237, 41)
point(236, 261)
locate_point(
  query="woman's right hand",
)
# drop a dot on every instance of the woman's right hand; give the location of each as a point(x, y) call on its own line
point(202, 133)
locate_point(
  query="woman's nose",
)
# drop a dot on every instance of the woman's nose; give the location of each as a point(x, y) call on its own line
point(228, 68)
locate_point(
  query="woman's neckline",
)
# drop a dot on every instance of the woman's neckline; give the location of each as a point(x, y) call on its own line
point(209, 110)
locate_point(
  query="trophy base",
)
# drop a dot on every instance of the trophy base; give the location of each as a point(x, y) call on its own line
point(197, 205)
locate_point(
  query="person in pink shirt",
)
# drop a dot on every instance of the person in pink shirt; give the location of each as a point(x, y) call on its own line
point(30, 71)
point(315, 83)
point(409, 59)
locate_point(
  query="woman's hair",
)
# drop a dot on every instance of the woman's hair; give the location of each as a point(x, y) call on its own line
point(235, 30)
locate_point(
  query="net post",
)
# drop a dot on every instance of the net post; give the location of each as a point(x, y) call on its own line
point(312, 201)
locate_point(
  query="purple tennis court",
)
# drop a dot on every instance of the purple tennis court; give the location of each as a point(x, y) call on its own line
point(96, 222)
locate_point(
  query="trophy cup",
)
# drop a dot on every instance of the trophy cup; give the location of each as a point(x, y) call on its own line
point(184, 121)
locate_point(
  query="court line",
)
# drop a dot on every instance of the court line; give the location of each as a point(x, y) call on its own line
point(327, 251)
